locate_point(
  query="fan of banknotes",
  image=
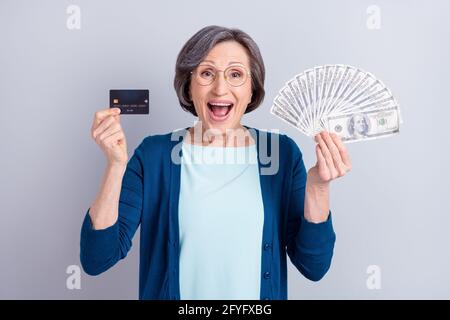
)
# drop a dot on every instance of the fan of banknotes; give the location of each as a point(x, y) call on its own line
point(341, 99)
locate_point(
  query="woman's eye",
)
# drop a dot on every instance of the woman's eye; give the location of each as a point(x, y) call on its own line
point(236, 74)
point(206, 74)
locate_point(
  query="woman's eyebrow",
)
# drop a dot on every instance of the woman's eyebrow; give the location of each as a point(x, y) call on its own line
point(230, 63)
point(235, 62)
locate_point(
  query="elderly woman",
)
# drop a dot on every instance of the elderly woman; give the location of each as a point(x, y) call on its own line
point(213, 229)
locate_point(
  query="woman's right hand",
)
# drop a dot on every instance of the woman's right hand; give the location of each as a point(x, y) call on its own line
point(108, 134)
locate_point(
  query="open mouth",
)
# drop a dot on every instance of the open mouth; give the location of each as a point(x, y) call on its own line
point(219, 111)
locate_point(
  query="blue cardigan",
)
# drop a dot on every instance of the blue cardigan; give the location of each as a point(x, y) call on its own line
point(149, 198)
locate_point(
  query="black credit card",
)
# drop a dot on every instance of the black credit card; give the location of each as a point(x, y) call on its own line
point(129, 101)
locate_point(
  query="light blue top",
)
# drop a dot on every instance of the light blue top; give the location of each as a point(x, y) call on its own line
point(221, 219)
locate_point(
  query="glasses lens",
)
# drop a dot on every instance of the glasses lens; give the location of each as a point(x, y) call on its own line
point(236, 75)
point(205, 75)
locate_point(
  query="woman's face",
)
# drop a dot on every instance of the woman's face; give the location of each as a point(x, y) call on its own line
point(221, 105)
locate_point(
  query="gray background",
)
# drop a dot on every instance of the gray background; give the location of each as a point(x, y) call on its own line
point(390, 210)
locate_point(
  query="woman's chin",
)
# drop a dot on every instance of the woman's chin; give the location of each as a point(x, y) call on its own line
point(221, 125)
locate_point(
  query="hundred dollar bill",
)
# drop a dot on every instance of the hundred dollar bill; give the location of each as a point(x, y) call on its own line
point(365, 125)
point(281, 114)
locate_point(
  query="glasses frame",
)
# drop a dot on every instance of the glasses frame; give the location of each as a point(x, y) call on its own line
point(194, 72)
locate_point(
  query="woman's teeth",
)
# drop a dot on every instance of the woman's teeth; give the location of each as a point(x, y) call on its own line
point(220, 109)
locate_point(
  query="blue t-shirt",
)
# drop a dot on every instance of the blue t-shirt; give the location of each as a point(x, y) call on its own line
point(221, 218)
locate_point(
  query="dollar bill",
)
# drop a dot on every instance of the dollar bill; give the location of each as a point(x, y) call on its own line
point(365, 125)
point(280, 113)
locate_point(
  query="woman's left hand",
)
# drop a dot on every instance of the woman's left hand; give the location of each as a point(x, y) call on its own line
point(333, 160)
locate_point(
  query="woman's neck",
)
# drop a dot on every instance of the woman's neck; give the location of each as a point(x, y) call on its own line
point(240, 137)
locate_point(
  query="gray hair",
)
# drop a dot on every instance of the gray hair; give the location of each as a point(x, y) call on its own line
point(197, 48)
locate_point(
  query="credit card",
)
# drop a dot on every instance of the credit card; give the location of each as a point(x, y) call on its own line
point(130, 101)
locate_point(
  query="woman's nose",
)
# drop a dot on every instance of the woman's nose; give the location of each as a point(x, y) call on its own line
point(220, 85)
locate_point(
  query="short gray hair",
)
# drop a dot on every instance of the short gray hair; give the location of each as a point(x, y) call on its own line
point(197, 48)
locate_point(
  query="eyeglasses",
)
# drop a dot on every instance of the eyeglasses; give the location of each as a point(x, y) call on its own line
point(206, 74)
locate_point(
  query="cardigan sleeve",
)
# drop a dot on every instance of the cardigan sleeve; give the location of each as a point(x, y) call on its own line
point(101, 249)
point(309, 245)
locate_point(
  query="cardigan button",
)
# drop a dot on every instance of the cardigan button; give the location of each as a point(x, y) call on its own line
point(267, 275)
point(266, 246)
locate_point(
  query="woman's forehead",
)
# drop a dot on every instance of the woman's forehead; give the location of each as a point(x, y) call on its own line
point(227, 53)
